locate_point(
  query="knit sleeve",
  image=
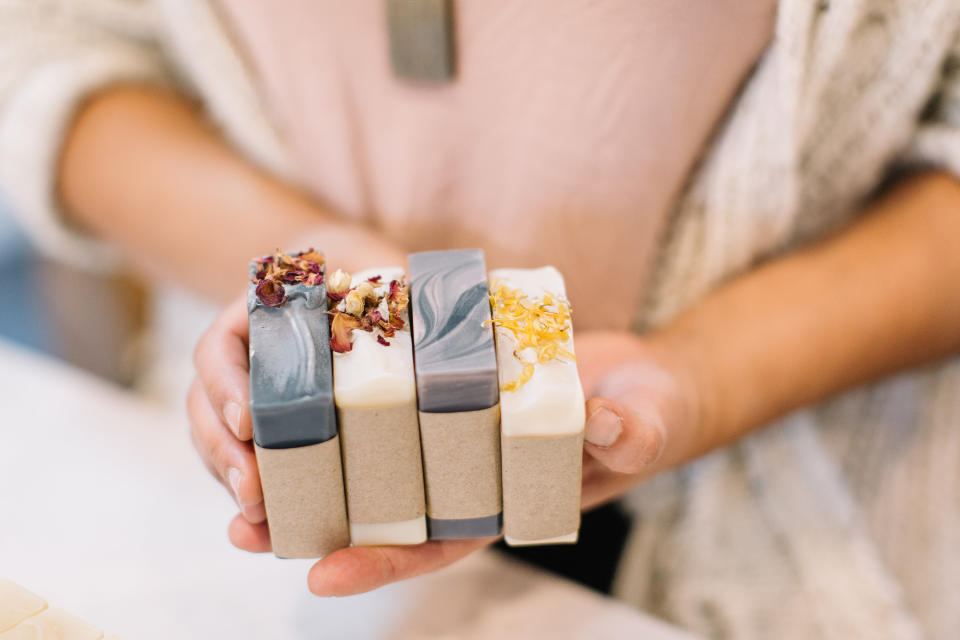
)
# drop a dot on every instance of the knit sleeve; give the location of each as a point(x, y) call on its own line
point(53, 55)
point(937, 140)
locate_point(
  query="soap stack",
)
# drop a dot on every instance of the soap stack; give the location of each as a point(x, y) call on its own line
point(26, 616)
point(392, 413)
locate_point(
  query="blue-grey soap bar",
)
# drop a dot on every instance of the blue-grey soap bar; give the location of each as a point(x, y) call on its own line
point(291, 373)
point(454, 353)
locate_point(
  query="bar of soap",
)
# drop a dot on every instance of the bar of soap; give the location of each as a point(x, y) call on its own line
point(456, 373)
point(53, 624)
point(376, 397)
point(291, 403)
point(17, 604)
point(541, 407)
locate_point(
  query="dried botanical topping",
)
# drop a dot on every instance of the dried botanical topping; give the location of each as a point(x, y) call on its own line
point(540, 327)
point(340, 330)
point(271, 293)
point(279, 269)
point(338, 283)
point(371, 306)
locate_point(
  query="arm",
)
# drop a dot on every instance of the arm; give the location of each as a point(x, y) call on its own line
point(877, 297)
point(141, 165)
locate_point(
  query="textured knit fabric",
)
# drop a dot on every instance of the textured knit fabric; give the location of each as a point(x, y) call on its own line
point(840, 521)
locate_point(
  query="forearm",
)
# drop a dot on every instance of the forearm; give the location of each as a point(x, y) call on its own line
point(144, 170)
point(880, 296)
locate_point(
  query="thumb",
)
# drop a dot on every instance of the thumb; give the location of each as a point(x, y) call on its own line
point(626, 435)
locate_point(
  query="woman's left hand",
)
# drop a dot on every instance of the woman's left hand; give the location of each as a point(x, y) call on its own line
point(642, 411)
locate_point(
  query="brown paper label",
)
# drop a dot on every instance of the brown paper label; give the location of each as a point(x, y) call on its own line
point(461, 463)
point(382, 468)
point(541, 486)
point(303, 495)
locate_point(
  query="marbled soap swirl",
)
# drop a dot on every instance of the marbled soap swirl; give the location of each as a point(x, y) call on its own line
point(456, 364)
point(291, 373)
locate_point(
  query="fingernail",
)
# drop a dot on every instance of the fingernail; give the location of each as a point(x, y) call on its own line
point(231, 413)
point(603, 428)
point(233, 477)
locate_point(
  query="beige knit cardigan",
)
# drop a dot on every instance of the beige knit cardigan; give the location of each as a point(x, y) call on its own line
point(840, 521)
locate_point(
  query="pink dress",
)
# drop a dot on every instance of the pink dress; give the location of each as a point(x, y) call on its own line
point(564, 139)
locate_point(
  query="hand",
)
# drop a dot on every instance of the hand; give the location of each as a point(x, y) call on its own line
point(218, 405)
point(642, 411)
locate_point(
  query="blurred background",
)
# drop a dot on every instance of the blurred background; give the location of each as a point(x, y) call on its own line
point(104, 324)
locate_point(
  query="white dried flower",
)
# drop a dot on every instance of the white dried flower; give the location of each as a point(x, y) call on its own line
point(353, 303)
point(367, 290)
point(338, 282)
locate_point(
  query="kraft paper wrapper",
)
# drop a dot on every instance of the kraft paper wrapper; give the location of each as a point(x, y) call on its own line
point(541, 486)
point(461, 463)
point(382, 468)
point(303, 495)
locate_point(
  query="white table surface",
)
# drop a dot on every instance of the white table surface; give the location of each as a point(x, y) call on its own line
point(106, 511)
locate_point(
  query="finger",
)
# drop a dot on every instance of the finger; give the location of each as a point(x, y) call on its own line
point(358, 569)
point(249, 536)
point(232, 462)
point(625, 439)
point(223, 366)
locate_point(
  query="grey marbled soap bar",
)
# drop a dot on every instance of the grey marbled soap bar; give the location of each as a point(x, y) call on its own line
point(456, 362)
point(291, 372)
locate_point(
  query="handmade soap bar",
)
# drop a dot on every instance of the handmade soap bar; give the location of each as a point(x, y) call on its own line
point(17, 604)
point(541, 406)
point(291, 402)
point(456, 371)
point(376, 397)
point(53, 624)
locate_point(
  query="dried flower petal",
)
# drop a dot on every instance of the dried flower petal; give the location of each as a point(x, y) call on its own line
point(271, 293)
point(538, 326)
point(374, 279)
point(382, 341)
point(292, 276)
point(340, 330)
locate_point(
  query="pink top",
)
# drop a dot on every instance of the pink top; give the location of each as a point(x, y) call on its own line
point(564, 139)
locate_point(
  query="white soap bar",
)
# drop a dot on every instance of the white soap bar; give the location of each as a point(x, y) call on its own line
point(17, 604)
point(551, 403)
point(370, 374)
point(53, 624)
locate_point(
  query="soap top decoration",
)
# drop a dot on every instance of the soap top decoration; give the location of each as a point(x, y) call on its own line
point(371, 305)
point(272, 272)
point(540, 327)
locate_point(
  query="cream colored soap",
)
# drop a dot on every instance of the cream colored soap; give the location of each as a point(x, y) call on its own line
point(551, 403)
point(53, 624)
point(376, 396)
point(542, 415)
point(17, 604)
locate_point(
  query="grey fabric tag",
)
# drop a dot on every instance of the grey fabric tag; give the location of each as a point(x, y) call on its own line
point(421, 39)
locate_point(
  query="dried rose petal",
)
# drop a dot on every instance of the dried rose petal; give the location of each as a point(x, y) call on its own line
point(313, 279)
point(340, 329)
point(382, 341)
point(271, 293)
point(292, 276)
point(374, 279)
